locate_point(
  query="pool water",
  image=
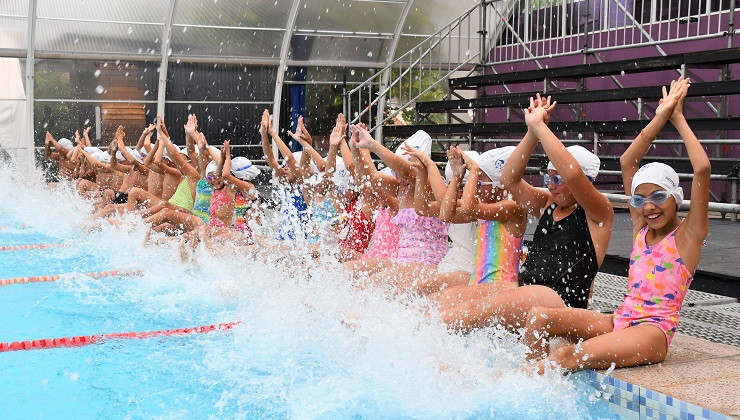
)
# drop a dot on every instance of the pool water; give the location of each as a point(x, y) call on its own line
point(292, 356)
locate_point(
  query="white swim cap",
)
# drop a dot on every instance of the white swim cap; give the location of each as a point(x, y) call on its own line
point(589, 162)
point(342, 178)
point(119, 156)
point(492, 163)
point(661, 175)
point(97, 155)
point(136, 155)
point(165, 155)
point(92, 150)
point(184, 151)
point(243, 169)
point(66, 143)
point(448, 169)
point(103, 157)
point(212, 167)
point(420, 140)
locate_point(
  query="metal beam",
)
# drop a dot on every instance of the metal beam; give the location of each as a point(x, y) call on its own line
point(162, 87)
point(389, 59)
point(280, 77)
point(30, 69)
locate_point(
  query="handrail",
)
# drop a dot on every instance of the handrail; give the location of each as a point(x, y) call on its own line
point(416, 62)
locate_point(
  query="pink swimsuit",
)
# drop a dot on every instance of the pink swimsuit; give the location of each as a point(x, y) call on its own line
point(218, 199)
point(658, 282)
point(421, 239)
point(385, 238)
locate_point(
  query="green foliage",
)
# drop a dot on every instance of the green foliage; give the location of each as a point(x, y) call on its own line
point(411, 85)
point(52, 116)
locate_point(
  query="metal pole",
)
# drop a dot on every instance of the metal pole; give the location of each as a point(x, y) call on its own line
point(30, 69)
point(162, 87)
point(733, 196)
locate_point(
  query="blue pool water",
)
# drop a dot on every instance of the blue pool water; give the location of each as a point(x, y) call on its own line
point(292, 356)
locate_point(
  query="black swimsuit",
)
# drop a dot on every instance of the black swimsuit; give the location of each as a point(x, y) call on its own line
point(562, 257)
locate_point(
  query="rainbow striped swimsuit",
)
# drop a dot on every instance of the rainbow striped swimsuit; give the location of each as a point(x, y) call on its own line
point(497, 254)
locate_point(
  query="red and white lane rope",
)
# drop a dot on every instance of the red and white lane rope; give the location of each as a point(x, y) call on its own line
point(86, 340)
point(32, 246)
point(55, 277)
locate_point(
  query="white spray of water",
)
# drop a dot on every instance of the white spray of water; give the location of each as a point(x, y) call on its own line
point(294, 355)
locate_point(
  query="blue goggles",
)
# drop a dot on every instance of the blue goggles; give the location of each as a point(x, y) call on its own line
point(558, 180)
point(658, 198)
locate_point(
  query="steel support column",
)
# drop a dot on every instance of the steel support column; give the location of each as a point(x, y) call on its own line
point(162, 87)
point(30, 69)
point(280, 77)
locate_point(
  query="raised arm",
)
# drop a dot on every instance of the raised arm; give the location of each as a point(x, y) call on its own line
point(179, 160)
point(424, 202)
point(535, 200)
point(450, 208)
point(126, 155)
point(86, 136)
point(144, 136)
point(696, 225)
point(47, 147)
point(191, 137)
point(596, 205)
point(502, 211)
point(402, 167)
point(240, 184)
point(151, 160)
point(632, 157)
point(99, 166)
point(306, 141)
point(61, 151)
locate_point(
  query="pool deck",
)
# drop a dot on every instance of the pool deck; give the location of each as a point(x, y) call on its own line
point(696, 371)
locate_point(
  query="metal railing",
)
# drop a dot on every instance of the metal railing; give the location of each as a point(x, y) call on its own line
point(461, 45)
point(547, 28)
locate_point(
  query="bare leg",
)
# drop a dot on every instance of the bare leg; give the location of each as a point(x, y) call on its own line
point(369, 266)
point(571, 323)
point(138, 197)
point(639, 345)
point(506, 308)
point(179, 220)
point(346, 254)
point(434, 281)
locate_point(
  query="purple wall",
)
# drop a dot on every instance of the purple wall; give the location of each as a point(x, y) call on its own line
point(625, 110)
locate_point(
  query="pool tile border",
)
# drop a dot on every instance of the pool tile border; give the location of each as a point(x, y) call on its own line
point(632, 401)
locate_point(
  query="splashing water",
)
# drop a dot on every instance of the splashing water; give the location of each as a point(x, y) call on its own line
point(293, 356)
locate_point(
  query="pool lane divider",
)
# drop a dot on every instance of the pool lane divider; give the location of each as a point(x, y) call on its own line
point(86, 340)
point(55, 277)
point(32, 246)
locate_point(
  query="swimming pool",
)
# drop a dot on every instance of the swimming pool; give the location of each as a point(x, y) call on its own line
point(291, 356)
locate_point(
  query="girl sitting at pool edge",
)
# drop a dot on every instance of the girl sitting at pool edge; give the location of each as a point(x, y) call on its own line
point(665, 255)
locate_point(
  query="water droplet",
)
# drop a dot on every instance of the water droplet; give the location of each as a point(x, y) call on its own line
point(369, 53)
point(624, 119)
point(87, 121)
point(99, 89)
point(97, 73)
point(146, 92)
point(580, 136)
point(130, 30)
point(77, 40)
point(352, 72)
point(74, 377)
point(191, 76)
point(622, 73)
point(185, 29)
point(46, 125)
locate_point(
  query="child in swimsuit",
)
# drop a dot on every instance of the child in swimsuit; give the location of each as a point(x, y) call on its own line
point(665, 254)
point(422, 240)
point(570, 240)
point(500, 226)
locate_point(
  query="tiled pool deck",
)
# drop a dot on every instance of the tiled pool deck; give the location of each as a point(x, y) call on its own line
point(700, 379)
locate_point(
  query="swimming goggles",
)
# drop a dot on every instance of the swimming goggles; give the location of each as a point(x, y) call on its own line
point(480, 184)
point(658, 197)
point(211, 177)
point(555, 180)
